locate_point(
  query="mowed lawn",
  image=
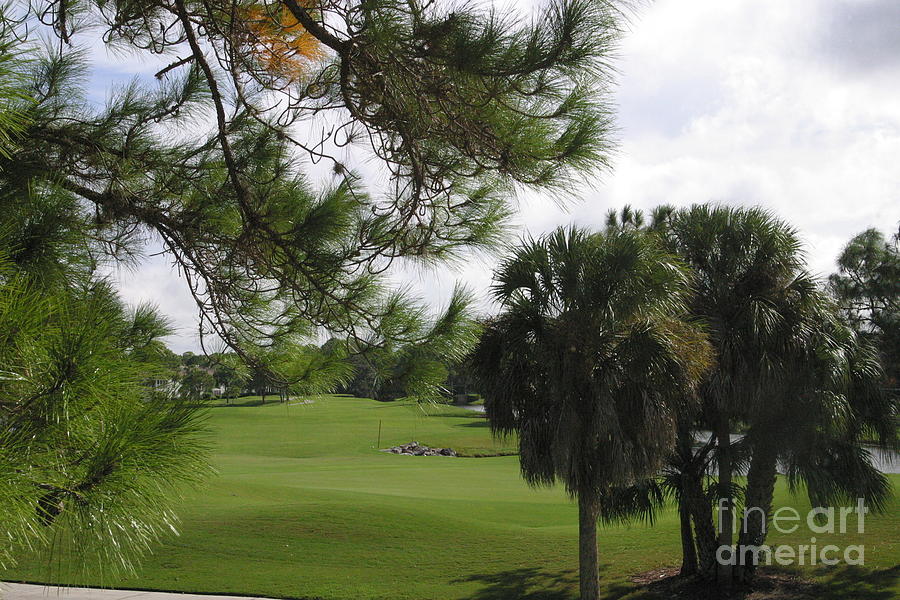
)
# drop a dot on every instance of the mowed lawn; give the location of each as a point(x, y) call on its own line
point(305, 506)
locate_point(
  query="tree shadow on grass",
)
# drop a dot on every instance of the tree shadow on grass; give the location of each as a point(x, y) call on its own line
point(467, 414)
point(527, 583)
point(840, 583)
point(480, 423)
point(843, 583)
point(238, 403)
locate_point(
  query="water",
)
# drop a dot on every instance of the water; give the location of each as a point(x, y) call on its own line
point(887, 461)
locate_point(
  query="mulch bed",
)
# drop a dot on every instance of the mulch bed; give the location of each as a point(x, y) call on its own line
point(666, 583)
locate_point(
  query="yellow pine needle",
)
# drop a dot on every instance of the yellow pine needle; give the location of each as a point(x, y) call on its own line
point(281, 44)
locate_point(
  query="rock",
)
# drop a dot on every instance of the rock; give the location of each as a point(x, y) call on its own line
point(417, 449)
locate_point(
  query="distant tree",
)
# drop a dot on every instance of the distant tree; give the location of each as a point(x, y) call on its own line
point(362, 383)
point(196, 383)
point(189, 359)
point(406, 355)
point(260, 383)
point(231, 374)
point(461, 380)
point(867, 288)
point(587, 363)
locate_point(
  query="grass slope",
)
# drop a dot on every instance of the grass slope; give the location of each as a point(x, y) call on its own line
point(304, 506)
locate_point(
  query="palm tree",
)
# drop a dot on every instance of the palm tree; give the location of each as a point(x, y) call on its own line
point(682, 481)
point(587, 362)
point(631, 218)
point(779, 339)
point(817, 426)
point(748, 268)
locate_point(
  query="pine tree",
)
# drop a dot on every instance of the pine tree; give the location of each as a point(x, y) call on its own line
point(91, 457)
point(459, 104)
point(867, 288)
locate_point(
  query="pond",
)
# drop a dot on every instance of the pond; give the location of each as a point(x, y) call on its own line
point(887, 461)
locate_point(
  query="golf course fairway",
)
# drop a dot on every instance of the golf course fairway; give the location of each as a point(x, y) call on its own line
point(304, 505)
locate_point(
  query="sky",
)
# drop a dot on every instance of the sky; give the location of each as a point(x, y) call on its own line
point(787, 105)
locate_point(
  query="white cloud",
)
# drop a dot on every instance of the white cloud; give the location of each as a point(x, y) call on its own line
point(785, 129)
point(157, 282)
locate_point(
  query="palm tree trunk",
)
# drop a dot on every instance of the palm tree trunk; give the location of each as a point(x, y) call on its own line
point(704, 528)
point(725, 501)
point(760, 487)
point(688, 551)
point(588, 559)
point(686, 463)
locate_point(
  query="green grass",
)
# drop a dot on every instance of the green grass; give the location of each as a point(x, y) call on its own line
point(304, 506)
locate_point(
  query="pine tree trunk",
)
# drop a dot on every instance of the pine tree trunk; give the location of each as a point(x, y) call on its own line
point(760, 488)
point(588, 559)
point(724, 502)
point(688, 551)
